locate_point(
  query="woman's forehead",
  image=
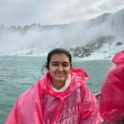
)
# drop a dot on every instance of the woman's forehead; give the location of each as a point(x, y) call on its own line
point(59, 57)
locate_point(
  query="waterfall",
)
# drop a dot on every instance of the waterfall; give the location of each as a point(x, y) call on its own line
point(44, 38)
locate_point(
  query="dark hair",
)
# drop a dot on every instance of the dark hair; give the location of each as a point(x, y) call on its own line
point(57, 51)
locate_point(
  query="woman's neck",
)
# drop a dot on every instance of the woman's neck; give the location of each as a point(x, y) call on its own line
point(58, 85)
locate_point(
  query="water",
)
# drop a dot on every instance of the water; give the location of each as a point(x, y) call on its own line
point(19, 73)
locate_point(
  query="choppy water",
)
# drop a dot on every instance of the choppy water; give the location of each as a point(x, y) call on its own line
point(18, 73)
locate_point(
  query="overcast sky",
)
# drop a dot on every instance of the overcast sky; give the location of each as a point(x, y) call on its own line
point(26, 12)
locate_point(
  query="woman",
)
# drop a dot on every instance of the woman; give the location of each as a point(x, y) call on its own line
point(59, 97)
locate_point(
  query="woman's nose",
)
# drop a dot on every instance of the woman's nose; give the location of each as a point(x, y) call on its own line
point(60, 68)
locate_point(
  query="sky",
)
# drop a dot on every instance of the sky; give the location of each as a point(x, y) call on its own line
point(51, 12)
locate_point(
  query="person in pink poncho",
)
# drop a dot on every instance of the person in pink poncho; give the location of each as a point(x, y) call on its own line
point(112, 91)
point(59, 97)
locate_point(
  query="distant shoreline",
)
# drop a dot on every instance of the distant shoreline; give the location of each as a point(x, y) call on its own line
point(74, 58)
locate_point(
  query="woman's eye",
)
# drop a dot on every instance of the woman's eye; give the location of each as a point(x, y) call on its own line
point(57, 64)
point(54, 64)
point(65, 65)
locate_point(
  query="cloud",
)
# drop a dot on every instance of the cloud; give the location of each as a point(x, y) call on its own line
point(95, 9)
point(25, 12)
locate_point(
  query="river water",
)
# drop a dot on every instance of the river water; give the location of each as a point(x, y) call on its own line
point(17, 74)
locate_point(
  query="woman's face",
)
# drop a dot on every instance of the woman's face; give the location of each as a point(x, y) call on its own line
point(59, 68)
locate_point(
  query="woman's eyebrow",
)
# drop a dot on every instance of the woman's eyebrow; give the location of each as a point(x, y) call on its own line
point(59, 62)
point(54, 62)
point(66, 62)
